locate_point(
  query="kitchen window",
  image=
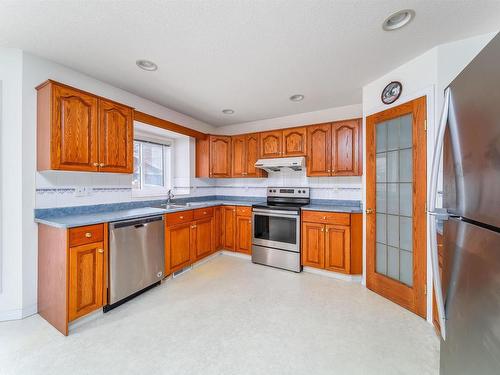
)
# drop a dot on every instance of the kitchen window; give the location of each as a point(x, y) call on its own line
point(152, 168)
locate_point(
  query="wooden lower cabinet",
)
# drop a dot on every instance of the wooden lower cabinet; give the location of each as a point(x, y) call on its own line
point(330, 246)
point(244, 234)
point(337, 248)
point(178, 239)
point(229, 227)
point(313, 245)
point(218, 219)
point(72, 272)
point(86, 266)
point(203, 238)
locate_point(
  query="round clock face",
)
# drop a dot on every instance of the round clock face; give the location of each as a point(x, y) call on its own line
point(391, 92)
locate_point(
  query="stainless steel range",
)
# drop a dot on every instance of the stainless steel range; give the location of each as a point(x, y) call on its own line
point(276, 228)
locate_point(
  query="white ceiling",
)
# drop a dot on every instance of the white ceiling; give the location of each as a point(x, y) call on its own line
point(241, 54)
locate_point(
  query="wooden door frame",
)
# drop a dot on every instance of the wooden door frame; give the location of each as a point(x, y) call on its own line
point(414, 298)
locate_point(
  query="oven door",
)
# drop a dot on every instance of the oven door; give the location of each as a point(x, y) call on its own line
point(276, 229)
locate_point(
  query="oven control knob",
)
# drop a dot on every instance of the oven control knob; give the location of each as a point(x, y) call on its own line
point(270, 190)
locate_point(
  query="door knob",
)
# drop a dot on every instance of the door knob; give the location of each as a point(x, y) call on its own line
point(88, 234)
point(370, 210)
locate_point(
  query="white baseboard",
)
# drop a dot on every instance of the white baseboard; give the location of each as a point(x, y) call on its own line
point(334, 275)
point(17, 314)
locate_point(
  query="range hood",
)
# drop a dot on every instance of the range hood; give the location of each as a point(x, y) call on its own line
point(279, 164)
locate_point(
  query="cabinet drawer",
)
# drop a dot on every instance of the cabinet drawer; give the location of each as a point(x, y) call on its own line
point(200, 213)
point(84, 235)
point(244, 211)
point(179, 217)
point(326, 217)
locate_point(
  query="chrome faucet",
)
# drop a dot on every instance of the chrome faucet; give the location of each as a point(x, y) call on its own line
point(170, 195)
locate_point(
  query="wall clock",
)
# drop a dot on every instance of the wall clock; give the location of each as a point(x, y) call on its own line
point(391, 92)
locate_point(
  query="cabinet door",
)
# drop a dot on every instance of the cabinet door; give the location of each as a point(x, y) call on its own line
point(338, 248)
point(218, 230)
point(177, 247)
point(252, 155)
point(346, 148)
point(313, 245)
point(239, 156)
point(203, 238)
point(74, 138)
point(319, 150)
point(229, 227)
point(116, 140)
point(271, 144)
point(85, 279)
point(220, 156)
point(294, 142)
point(244, 234)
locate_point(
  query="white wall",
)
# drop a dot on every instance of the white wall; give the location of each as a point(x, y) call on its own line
point(11, 297)
point(428, 75)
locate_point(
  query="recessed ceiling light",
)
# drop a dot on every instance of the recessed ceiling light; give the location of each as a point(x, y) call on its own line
point(228, 111)
point(147, 65)
point(296, 97)
point(398, 19)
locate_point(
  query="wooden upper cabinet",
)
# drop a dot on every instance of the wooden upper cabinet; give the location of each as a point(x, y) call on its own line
point(252, 155)
point(319, 150)
point(86, 267)
point(67, 129)
point(220, 156)
point(239, 155)
point(313, 245)
point(337, 248)
point(115, 137)
point(271, 144)
point(294, 142)
point(346, 148)
point(78, 131)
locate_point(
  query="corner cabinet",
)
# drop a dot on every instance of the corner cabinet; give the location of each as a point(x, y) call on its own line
point(332, 241)
point(334, 149)
point(72, 272)
point(78, 131)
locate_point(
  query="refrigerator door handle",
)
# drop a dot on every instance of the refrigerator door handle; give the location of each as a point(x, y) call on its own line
point(432, 213)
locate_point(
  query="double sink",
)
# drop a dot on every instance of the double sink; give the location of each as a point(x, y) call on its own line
point(168, 206)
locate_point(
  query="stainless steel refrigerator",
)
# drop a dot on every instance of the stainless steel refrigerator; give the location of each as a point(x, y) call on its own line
point(468, 297)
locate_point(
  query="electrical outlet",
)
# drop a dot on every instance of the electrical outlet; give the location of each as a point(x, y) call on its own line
point(80, 192)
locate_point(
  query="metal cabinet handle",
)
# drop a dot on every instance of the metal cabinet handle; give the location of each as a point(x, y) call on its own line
point(249, 221)
point(326, 230)
point(96, 164)
point(88, 234)
point(101, 165)
point(370, 210)
point(324, 217)
point(204, 212)
point(100, 251)
point(322, 229)
point(181, 217)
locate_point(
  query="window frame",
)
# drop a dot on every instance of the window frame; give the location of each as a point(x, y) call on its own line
point(167, 155)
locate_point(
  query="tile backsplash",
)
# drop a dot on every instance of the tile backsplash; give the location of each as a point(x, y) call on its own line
point(65, 189)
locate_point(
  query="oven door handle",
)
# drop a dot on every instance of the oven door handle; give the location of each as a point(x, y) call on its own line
point(275, 213)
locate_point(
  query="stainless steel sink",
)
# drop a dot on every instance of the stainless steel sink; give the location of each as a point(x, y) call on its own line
point(169, 206)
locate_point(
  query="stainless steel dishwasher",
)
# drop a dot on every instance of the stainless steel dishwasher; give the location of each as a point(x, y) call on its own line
point(136, 257)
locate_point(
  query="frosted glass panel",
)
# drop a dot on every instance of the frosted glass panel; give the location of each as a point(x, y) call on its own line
point(381, 259)
point(381, 137)
point(405, 233)
point(381, 228)
point(406, 165)
point(393, 262)
point(381, 167)
point(405, 131)
point(393, 230)
point(406, 267)
point(381, 198)
point(405, 199)
point(393, 134)
point(394, 198)
point(392, 166)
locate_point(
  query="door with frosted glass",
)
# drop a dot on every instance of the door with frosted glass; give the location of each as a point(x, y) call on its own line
point(396, 204)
